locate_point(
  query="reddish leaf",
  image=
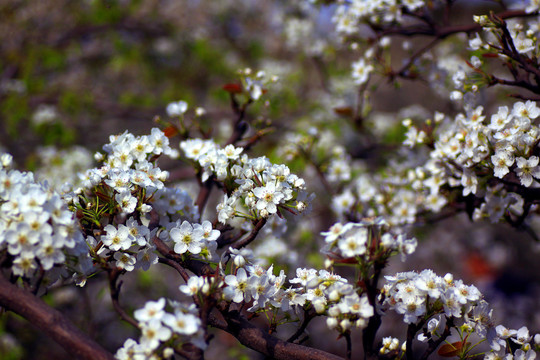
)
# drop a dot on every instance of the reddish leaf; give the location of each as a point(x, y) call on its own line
point(453, 349)
point(170, 131)
point(344, 111)
point(490, 55)
point(478, 267)
point(233, 88)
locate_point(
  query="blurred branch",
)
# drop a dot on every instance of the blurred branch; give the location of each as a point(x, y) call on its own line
point(143, 28)
point(442, 32)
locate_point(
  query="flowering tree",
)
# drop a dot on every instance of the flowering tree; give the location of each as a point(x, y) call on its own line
point(199, 200)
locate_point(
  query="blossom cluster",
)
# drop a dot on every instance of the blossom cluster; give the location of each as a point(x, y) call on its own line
point(328, 293)
point(254, 83)
point(37, 229)
point(197, 239)
point(365, 239)
point(512, 344)
point(61, 167)
point(125, 189)
point(161, 329)
point(350, 14)
point(130, 245)
point(471, 154)
point(129, 168)
point(262, 187)
point(425, 294)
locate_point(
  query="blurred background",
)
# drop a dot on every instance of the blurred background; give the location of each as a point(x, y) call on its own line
point(74, 72)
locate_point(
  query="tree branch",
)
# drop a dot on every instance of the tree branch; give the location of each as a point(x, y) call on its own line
point(115, 297)
point(50, 321)
point(252, 235)
point(259, 340)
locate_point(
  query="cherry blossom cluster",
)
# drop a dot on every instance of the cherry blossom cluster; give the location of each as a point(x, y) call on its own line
point(390, 344)
point(519, 35)
point(162, 330)
point(522, 33)
point(332, 295)
point(212, 159)
point(468, 153)
point(37, 229)
point(179, 108)
point(364, 240)
point(173, 204)
point(390, 194)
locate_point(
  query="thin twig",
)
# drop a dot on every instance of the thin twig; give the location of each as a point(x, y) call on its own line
point(183, 273)
point(308, 316)
point(252, 235)
point(115, 297)
point(204, 194)
point(347, 337)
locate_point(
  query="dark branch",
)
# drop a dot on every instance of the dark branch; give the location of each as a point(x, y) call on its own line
point(268, 345)
point(115, 296)
point(50, 321)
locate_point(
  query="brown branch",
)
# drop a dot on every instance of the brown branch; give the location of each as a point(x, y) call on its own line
point(517, 83)
point(204, 194)
point(240, 126)
point(420, 52)
point(308, 316)
point(175, 266)
point(259, 340)
point(115, 296)
point(252, 235)
point(51, 322)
